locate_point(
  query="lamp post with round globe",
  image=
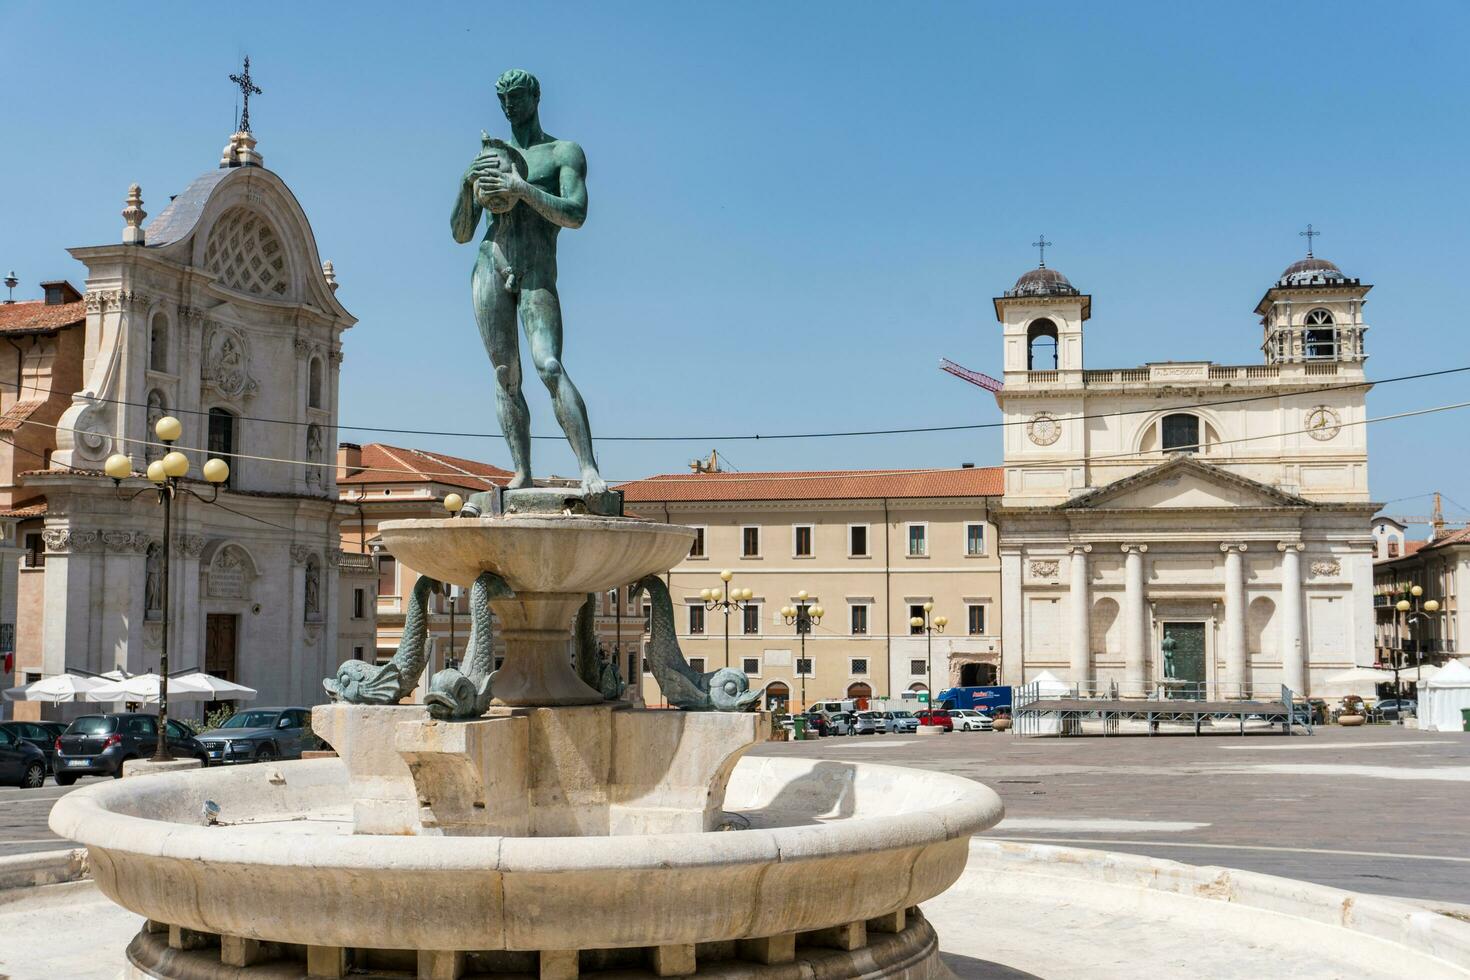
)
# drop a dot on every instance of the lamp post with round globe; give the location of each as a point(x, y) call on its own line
point(929, 625)
point(727, 602)
point(1412, 609)
point(165, 475)
point(803, 616)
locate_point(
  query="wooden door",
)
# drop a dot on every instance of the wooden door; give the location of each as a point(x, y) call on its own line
point(219, 645)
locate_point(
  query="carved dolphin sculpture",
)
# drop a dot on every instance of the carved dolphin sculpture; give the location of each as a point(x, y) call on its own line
point(359, 682)
point(725, 689)
point(462, 695)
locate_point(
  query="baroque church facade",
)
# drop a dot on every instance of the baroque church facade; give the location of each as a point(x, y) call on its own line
point(221, 313)
point(1222, 507)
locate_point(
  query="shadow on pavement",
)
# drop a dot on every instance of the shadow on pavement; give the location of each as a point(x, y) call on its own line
point(969, 968)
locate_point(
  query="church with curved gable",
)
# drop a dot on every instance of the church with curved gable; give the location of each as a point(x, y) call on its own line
point(1186, 524)
point(219, 312)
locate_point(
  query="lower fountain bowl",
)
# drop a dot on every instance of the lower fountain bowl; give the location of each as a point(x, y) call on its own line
point(835, 851)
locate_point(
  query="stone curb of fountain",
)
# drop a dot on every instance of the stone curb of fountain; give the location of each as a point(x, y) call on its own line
point(1377, 928)
point(44, 868)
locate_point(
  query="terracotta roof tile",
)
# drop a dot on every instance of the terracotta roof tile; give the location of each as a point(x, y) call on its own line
point(36, 317)
point(394, 464)
point(26, 510)
point(986, 481)
point(19, 412)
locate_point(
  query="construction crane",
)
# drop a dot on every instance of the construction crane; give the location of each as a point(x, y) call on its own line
point(1435, 520)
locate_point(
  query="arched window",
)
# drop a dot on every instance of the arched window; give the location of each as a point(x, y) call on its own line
point(158, 343)
point(223, 440)
point(859, 691)
point(1319, 339)
point(1041, 346)
point(1179, 433)
point(314, 383)
point(778, 696)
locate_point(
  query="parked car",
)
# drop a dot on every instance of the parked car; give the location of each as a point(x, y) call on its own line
point(259, 735)
point(839, 724)
point(41, 734)
point(21, 763)
point(866, 723)
point(98, 745)
point(969, 720)
point(937, 717)
point(900, 722)
point(1392, 709)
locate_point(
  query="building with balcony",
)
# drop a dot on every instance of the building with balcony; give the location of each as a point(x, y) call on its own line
point(1436, 567)
point(1223, 506)
point(870, 547)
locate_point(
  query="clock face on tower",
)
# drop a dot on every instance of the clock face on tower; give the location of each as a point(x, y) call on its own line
point(1323, 423)
point(1043, 429)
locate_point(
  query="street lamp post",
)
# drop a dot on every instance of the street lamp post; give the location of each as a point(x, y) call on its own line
point(165, 474)
point(929, 625)
point(803, 616)
point(1409, 613)
point(727, 602)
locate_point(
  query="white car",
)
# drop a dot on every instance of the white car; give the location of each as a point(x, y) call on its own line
point(900, 722)
point(970, 720)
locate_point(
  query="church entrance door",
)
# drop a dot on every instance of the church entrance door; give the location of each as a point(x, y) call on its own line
point(1189, 658)
point(220, 633)
point(977, 675)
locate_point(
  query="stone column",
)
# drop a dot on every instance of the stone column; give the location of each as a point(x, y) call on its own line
point(1235, 665)
point(1135, 669)
point(1293, 656)
point(1012, 629)
point(1080, 631)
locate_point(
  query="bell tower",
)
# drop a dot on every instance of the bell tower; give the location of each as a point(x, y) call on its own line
point(1313, 314)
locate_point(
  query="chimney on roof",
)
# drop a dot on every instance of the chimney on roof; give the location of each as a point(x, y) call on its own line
point(349, 460)
point(59, 291)
point(967, 466)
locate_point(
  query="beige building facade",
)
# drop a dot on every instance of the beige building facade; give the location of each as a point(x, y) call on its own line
point(868, 547)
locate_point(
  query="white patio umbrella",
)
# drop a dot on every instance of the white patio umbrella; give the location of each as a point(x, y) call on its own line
point(144, 689)
point(219, 688)
point(57, 689)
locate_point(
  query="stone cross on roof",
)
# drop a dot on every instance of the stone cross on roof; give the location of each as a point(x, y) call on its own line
point(247, 88)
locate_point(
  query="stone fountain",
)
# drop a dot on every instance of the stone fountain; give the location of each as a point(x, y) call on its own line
point(519, 823)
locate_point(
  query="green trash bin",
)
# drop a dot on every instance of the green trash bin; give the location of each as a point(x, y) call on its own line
point(798, 728)
point(1465, 719)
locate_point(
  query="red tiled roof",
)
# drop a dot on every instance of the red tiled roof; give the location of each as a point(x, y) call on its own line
point(985, 481)
point(26, 510)
point(19, 412)
point(35, 316)
point(394, 464)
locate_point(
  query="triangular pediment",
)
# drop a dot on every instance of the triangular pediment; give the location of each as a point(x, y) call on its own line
point(1183, 483)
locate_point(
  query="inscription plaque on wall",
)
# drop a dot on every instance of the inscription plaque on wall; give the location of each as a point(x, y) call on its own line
point(227, 578)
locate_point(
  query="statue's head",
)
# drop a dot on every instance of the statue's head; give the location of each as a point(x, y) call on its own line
point(519, 94)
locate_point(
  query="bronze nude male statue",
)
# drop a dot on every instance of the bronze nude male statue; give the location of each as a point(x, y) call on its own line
point(532, 186)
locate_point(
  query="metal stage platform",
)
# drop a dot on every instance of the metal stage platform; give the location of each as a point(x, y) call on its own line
point(1035, 714)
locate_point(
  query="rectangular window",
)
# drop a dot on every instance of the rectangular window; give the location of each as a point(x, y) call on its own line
point(918, 540)
point(857, 541)
point(750, 618)
point(803, 666)
point(359, 603)
point(916, 612)
point(1180, 433)
point(697, 664)
point(696, 550)
point(859, 620)
point(974, 540)
point(499, 662)
point(645, 666)
point(357, 653)
point(916, 668)
point(35, 551)
point(647, 618)
point(222, 441)
point(696, 619)
point(860, 666)
point(750, 542)
point(387, 575)
point(977, 620)
point(802, 545)
point(751, 665)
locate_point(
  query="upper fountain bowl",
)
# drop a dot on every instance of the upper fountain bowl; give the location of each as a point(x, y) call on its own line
point(545, 553)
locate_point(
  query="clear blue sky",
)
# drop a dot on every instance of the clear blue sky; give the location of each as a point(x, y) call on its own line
point(796, 209)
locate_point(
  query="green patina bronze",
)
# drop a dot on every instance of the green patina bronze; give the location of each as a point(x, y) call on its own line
point(531, 186)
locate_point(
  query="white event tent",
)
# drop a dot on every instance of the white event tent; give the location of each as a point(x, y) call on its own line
point(1442, 697)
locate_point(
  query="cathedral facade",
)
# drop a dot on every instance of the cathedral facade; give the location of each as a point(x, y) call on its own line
point(221, 313)
point(1217, 512)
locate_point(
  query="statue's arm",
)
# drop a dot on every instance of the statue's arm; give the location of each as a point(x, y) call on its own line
point(569, 208)
point(466, 215)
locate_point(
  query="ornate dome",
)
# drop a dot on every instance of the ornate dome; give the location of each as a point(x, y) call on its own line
point(1311, 271)
point(1042, 282)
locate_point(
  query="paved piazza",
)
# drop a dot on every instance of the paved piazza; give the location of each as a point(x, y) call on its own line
point(1383, 809)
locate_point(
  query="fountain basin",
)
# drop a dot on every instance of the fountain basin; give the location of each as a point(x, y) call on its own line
point(829, 844)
